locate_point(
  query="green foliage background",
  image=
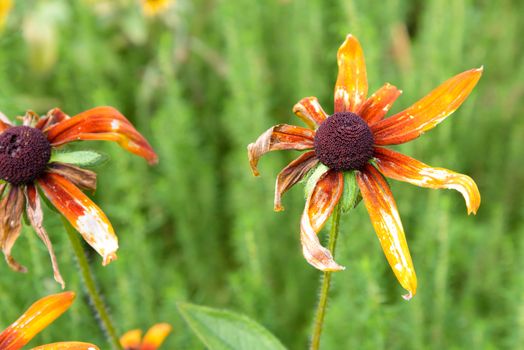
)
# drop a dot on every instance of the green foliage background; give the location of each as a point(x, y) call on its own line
point(203, 80)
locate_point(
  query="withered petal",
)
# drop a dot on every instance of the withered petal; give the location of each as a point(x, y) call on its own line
point(377, 105)
point(52, 117)
point(83, 178)
point(310, 111)
point(11, 210)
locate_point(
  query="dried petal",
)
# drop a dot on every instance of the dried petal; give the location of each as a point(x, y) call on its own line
point(384, 216)
point(279, 137)
point(155, 336)
point(67, 346)
point(291, 174)
point(352, 84)
point(83, 178)
point(35, 319)
point(36, 218)
point(428, 112)
point(377, 106)
point(102, 123)
point(319, 206)
point(11, 209)
point(401, 167)
point(53, 117)
point(310, 111)
point(85, 216)
point(30, 119)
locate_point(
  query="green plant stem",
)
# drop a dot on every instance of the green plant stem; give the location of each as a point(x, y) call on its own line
point(326, 282)
point(95, 298)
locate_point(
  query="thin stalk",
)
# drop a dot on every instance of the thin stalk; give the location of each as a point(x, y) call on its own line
point(95, 298)
point(326, 282)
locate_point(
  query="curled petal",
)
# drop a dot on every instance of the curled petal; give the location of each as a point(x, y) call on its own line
point(52, 117)
point(37, 317)
point(352, 83)
point(319, 206)
point(102, 123)
point(4, 122)
point(279, 137)
point(401, 167)
point(427, 112)
point(131, 340)
point(377, 105)
point(385, 219)
point(291, 174)
point(310, 111)
point(67, 346)
point(11, 209)
point(155, 336)
point(83, 178)
point(84, 215)
point(36, 218)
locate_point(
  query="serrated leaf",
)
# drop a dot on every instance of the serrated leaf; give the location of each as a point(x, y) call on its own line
point(313, 178)
point(80, 158)
point(351, 194)
point(226, 330)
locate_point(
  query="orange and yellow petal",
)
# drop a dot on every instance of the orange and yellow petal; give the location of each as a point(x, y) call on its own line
point(377, 105)
point(384, 216)
point(4, 122)
point(352, 84)
point(131, 340)
point(84, 215)
point(310, 111)
point(401, 167)
point(291, 174)
point(155, 336)
point(319, 207)
point(428, 112)
point(35, 319)
point(52, 117)
point(102, 123)
point(68, 346)
point(279, 137)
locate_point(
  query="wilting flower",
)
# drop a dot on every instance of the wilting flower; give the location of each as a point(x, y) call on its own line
point(350, 143)
point(154, 7)
point(5, 8)
point(35, 319)
point(154, 337)
point(26, 162)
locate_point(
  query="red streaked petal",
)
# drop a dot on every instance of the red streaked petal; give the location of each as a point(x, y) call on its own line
point(102, 123)
point(11, 210)
point(84, 215)
point(384, 216)
point(401, 167)
point(36, 218)
point(319, 206)
point(53, 117)
point(428, 112)
point(67, 346)
point(131, 340)
point(352, 83)
point(35, 319)
point(377, 105)
point(310, 111)
point(279, 137)
point(155, 336)
point(291, 174)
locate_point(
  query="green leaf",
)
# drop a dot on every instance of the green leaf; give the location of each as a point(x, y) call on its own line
point(221, 329)
point(351, 195)
point(313, 178)
point(80, 158)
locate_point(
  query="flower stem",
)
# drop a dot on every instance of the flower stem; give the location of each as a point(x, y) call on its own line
point(326, 282)
point(95, 298)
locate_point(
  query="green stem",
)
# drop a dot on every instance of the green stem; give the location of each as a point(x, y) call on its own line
point(95, 298)
point(326, 282)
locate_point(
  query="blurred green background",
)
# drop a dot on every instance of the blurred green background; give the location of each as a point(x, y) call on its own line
point(202, 80)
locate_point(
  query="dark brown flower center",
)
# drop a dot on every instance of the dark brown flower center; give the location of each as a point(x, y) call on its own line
point(344, 142)
point(24, 154)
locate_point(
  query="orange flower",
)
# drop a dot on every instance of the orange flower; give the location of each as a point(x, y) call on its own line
point(25, 162)
point(154, 337)
point(35, 319)
point(349, 142)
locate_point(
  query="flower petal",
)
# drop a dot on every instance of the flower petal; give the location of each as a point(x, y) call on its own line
point(36, 218)
point(53, 117)
point(377, 105)
point(102, 123)
point(319, 206)
point(291, 174)
point(155, 336)
point(310, 111)
point(85, 216)
point(352, 84)
point(385, 219)
point(11, 209)
point(131, 340)
point(83, 178)
point(427, 112)
point(37, 317)
point(401, 167)
point(67, 346)
point(4, 122)
point(279, 137)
